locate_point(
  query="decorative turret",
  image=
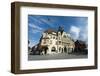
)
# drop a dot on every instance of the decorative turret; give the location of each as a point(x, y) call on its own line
point(60, 29)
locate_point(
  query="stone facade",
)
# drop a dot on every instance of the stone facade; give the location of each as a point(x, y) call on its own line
point(53, 42)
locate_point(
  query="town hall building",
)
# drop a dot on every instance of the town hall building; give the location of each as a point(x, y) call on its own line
point(54, 42)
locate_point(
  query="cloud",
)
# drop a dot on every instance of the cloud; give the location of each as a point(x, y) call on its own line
point(40, 20)
point(46, 22)
point(84, 33)
point(35, 19)
point(74, 31)
point(32, 43)
point(79, 33)
point(36, 31)
point(35, 28)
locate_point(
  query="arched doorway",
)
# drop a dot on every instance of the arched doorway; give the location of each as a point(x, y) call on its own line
point(59, 49)
point(62, 50)
point(65, 49)
point(53, 49)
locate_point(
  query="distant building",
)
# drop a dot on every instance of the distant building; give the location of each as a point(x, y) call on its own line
point(80, 47)
point(53, 42)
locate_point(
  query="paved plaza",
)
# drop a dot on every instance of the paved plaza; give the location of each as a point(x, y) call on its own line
point(56, 56)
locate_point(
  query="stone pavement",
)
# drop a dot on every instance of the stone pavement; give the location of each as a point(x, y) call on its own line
point(56, 56)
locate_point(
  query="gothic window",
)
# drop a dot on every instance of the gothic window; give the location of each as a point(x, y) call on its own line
point(59, 42)
point(54, 37)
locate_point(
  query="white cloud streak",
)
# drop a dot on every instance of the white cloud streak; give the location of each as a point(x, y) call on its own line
point(35, 28)
point(46, 22)
point(79, 33)
point(36, 20)
point(74, 32)
point(84, 33)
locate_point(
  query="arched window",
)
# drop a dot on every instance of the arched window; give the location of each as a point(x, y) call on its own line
point(53, 37)
point(59, 42)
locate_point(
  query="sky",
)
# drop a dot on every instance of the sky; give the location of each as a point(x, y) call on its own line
point(76, 26)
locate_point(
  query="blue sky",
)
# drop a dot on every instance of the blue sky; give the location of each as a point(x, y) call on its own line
point(76, 26)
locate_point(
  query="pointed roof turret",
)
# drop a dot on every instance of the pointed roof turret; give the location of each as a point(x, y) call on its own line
point(60, 29)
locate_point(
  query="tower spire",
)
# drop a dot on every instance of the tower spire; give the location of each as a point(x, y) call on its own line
point(60, 29)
